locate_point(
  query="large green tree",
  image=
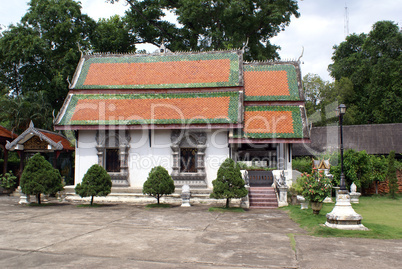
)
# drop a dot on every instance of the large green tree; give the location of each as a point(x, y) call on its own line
point(372, 62)
point(218, 24)
point(42, 51)
point(323, 97)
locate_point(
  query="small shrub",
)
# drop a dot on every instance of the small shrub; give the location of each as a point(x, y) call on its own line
point(40, 177)
point(297, 186)
point(159, 183)
point(229, 182)
point(302, 164)
point(8, 181)
point(96, 182)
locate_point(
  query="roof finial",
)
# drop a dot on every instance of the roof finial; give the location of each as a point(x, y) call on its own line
point(298, 60)
point(79, 49)
point(245, 45)
point(162, 48)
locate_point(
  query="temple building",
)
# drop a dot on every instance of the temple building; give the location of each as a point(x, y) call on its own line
point(186, 111)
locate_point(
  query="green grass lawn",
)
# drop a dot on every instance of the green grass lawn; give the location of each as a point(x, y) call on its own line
point(383, 216)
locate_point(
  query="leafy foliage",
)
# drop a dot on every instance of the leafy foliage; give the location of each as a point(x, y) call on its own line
point(323, 97)
point(316, 186)
point(96, 182)
point(229, 182)
point(302, 164)
point(372, 63)
point(159, 183)
point(297, 186)
point(356, 168)
point(40, 53)
point(40, 177)
point(18, 111)
point(391, 175)
point(8, 180)
point(212, 24)
point(113, 35)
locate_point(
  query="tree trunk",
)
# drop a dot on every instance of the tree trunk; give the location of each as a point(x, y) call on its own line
point(92, 200)
point(38, 198)
point(227, 202)
point(157, 198)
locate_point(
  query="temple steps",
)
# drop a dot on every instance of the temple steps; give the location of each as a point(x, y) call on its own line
point(263, 197)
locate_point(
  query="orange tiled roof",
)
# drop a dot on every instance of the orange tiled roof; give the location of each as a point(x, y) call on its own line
point(268, 82)
point(190, 72)
point(273, 122)
point(90, 109)
point(186, 70)
point(268, 122)
point(6, 133)
point(56, 138)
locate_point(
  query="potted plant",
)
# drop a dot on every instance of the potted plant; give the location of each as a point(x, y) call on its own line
point(7, 182)
point(316, 187)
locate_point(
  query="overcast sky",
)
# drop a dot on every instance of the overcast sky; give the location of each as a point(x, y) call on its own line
point(320, 26)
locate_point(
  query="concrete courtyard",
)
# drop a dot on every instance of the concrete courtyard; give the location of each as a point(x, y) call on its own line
point(131, 236)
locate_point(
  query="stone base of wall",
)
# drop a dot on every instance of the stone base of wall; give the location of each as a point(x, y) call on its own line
point(135, 196)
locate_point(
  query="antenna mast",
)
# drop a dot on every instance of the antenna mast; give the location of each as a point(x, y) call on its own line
point(346, 21)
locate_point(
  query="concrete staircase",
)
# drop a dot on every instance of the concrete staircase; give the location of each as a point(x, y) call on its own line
point(262, 197)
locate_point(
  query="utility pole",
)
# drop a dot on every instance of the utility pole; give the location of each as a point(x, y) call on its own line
point(346, 21)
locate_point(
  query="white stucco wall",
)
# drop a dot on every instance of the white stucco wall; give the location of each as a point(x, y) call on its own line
point(143, 157)
point(85, 154)
point(216, 153)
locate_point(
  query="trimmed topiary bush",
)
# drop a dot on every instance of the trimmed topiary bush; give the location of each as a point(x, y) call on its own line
point(229, 182)
point(159, 183)
point(40, 177)
point(96, 182)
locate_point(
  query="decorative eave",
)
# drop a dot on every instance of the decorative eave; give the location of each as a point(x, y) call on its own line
point(149, 127)
point(17, 144)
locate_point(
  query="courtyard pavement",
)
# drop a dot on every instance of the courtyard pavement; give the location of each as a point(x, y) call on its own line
point(131, 236)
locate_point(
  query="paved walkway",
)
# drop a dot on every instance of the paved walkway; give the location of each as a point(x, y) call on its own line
point(130, 236)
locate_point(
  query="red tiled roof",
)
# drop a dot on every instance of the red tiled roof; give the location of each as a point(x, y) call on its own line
point(159, 71)
point(264, 83)
point(271, 82)
point(268, 122)
point(159, 109)
point(56, 138)
point(180, 72)
point(133, 109)
point(6, 133)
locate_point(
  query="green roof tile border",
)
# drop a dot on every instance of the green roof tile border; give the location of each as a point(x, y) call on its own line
point(234, 58)
point(296, 117)
point(292, 82)
point(232, 110)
